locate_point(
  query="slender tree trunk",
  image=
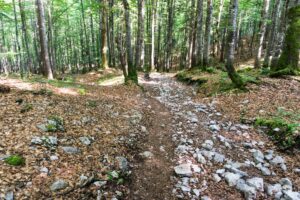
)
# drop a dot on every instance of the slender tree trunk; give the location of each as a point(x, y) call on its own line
point(140, 44)
point(231, 40)
point(170, 4)
point(218, 35)
point(263, 26)
point(104, 47)
point(200, 33)
point(289, 58)
point(271, 34)
point(19, 55)
point(47, 71)
point(132, 73)
point(154, 4)
point(191, 35)
point(206, 55)
point(111, 33)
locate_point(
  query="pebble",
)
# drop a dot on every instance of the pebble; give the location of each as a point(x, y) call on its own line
point(257, 183)
point(219, 158)
point(147, 154)
point(214, 127)
point(208, 145)
point(277, 160)
point(183, 170)
point(85, 140)
point(248, 191)
point(231, 178)
point(258, 156)
point(123, 163)
point(273, 189)
point(216, 178)
point(290, 195)
point(53, 158)
point(9, 195)
point(71, 150)
point(59, 185)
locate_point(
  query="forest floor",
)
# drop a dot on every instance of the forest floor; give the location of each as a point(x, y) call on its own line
point(89, 137)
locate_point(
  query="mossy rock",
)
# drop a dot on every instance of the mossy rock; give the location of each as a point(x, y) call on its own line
point(15, 160)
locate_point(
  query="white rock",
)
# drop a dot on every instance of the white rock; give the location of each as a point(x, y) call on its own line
point(53, 158)
point(258, 156)
point(273, 189)
point(286, 184)
point(59, 185)
point(277, 160)
point(196, 168)
point(248, 191)
point(214, 127)
point(146, 154)
point(85, 140)
point(184, 170)
point(231, 178)
point(196, 192)
point(257, 183)
point(216, 178)
point(71, 150)
point(290, 195)
point(201, 159)
point(219, 158)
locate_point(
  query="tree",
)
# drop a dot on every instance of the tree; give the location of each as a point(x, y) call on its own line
point(104, 46)
point(140, 44)
point(199, 32)
point(261, 36)
point(132, 73)
point(289, 60)
point(207, 33)
point(47, 71)
point(231, 40)
point(170, 5)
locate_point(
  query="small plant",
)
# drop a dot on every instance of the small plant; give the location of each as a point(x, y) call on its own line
point(91, 103)
point(27, 107)
point(43, 91)
point(15, 160)
point(82, 91)
point(116, 177)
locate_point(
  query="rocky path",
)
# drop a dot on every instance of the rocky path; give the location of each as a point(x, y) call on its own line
point(188, 156)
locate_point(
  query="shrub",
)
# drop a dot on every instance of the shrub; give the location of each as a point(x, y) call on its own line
point(15, 160)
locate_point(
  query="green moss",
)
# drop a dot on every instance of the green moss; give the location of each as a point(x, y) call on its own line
point(43, 91)
point(281, 131)
point(91, 103)
point(27, 107)
point(82, 91)
point(15, 160)
point(283, 72)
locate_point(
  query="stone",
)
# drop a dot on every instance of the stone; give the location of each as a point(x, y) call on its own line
point(53, 158)
point(59, 185)
point(219, 158)
point(83, 180)
point(146, 154)
point(196, 192)
point(42, 127)
point(257, 183)
point(220, 172)
point(205, 198)
point(36, 140)
point(85, 140)
point(208, 154)
point(50, 140)
point(286, 184)
point(9, 195)
point(182, 149)
point(216, 178)
point(273, 189)
point(214, 127)
point(71, 150)
point(123, 163)
point(185, 188)
point(100, 184)
point(258, 156)
point(235, 170)
point(277, 160)
point(201, 159)
point(143, 129)
point(231, 178)
point(183, 170)
point(196, 168)
point(44, 170)
point(290, 195)
point(208, 145)
point(248, 191)
point(283, 167)
point(297, 170)
point(265, 171)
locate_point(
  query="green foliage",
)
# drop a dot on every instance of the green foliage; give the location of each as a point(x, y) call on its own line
point(91, 103)
point(107, 77)
point(15, 160)
point(116, 177)
point(43, 91)
point(283, 72)
point(82, 91)
point(281, 131)
point(26, 107)
point(55, 123)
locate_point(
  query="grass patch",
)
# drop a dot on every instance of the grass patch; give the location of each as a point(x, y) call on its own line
point(284, 133)
point(213, 81)
point(107, 77)
point(26, 107)
point(15, 160)
point(65, 82)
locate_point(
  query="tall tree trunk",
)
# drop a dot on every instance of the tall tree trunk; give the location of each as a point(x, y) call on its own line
point(200, 33)
point(170, 4)
point(140, 44)
point(271, 35)
point(19, 55)
point(289, 58)
point(206, 55)
point(47, 71)
point(231, 40)
point(191, 35)
point(262, 32)
point(218, 22)
point(132, 73)
point(104, 47)
point(87, 46)
point(153, 24)
point(111, 33)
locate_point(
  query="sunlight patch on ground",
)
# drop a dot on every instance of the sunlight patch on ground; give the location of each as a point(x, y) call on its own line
point(17, 84)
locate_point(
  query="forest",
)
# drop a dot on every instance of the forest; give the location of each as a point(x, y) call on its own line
point(150, 99)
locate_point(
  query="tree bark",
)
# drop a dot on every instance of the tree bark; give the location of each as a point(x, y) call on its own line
point(206, 55)
point(263, 26)
point(104, 47)
point(170, 5)
point(200, 33)
point(132, 73)
point(140, 44)
point(231, 40)
point(47, 71)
